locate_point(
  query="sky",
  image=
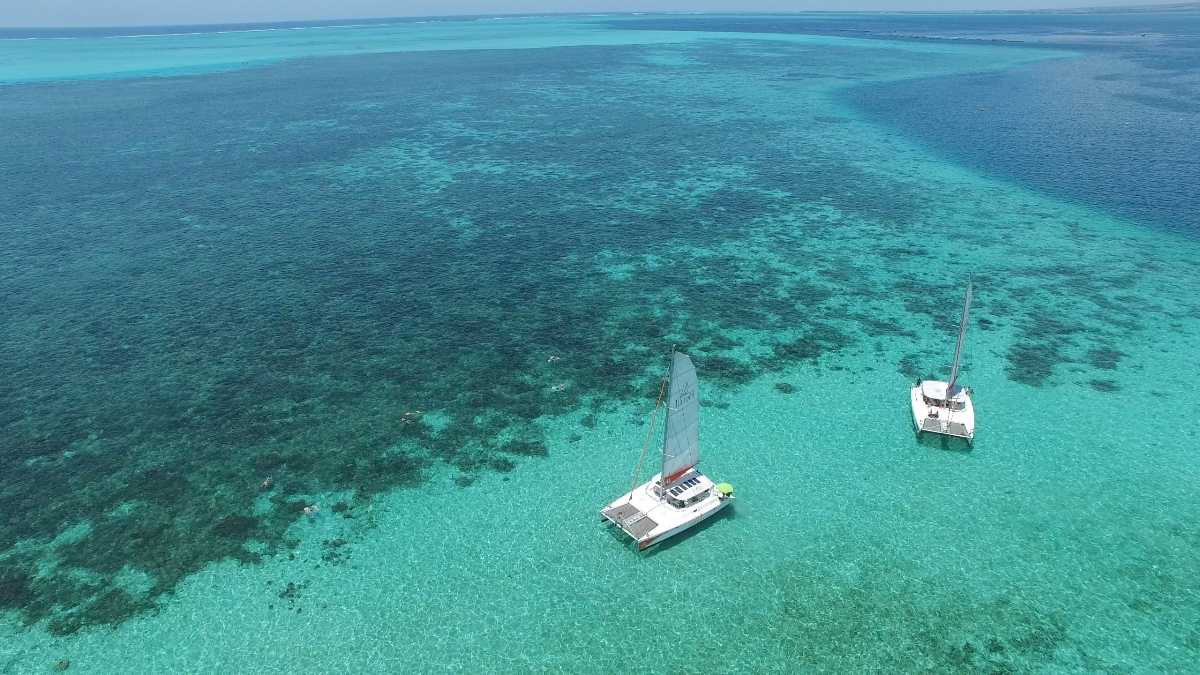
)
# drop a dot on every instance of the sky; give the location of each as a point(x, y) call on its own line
point(55, 13)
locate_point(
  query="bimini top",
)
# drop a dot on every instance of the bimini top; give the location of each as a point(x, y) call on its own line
point(937, 391)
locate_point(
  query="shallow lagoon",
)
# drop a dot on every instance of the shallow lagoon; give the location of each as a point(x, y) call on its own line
point(269, 271)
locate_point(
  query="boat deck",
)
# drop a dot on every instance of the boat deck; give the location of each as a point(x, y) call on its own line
point(629, 518)
point(946, 427)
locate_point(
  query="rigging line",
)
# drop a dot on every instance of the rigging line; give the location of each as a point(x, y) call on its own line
point(662, 388)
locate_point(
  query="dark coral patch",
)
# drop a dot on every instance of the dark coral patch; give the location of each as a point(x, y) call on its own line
point(236, 527)
point(723, 342)
point(725, 370)
point(105, 609)
point(335, 552)
point(909, 366)
point(1032, 364)
point(14, 588)
point(526, 448)
point(159, 485)
point(801, 349)
point(817, 340)
point(501, 464)
point(1105, 358)
point(111, 607)
point(881, 327)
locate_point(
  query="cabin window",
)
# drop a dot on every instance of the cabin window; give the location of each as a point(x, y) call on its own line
point(698, 498)
point(675, 502)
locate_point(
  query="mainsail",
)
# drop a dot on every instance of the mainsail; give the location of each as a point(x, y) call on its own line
point(962, 333)
point(681, 446)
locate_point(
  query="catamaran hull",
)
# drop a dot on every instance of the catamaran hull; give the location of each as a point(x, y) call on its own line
point(648, 520)
point(658, 539)
point(957, 423)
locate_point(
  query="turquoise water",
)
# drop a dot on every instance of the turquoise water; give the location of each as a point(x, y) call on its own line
point(343, 259)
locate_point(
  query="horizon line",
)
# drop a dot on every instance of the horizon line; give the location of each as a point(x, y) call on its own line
point(468, 16)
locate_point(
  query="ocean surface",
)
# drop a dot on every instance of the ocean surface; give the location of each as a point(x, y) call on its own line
point(323, 344)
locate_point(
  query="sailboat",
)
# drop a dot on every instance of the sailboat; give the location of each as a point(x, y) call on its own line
point(944, 407)
point(679, 496)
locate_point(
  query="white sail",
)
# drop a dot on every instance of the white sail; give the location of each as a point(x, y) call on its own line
point(962, 333)
point(681, 446)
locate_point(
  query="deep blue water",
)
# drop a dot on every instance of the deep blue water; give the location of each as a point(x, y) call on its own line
point(990, 26)
point(1117, 128)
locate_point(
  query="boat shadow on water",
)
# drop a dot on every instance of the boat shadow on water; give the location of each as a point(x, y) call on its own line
point(727, 513)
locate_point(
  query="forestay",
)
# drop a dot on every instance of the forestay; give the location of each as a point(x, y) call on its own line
point(962, 333)
point(681, 447)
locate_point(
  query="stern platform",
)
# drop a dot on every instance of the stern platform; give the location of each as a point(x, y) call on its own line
point(629, 518)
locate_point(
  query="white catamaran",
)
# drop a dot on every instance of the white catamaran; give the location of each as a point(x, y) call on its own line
point(679, 496)
point(944, 407)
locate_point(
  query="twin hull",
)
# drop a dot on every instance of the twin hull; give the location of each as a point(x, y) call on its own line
point(941, 420)
point(648, 519)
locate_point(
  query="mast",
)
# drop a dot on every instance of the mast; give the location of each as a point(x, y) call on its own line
point(962, 334)
point(662, 468)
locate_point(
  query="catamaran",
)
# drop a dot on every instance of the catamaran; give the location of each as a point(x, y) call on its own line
point(944, 407)
point(679, 496)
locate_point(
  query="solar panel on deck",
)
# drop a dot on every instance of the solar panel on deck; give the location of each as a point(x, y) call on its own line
point(684, 486)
